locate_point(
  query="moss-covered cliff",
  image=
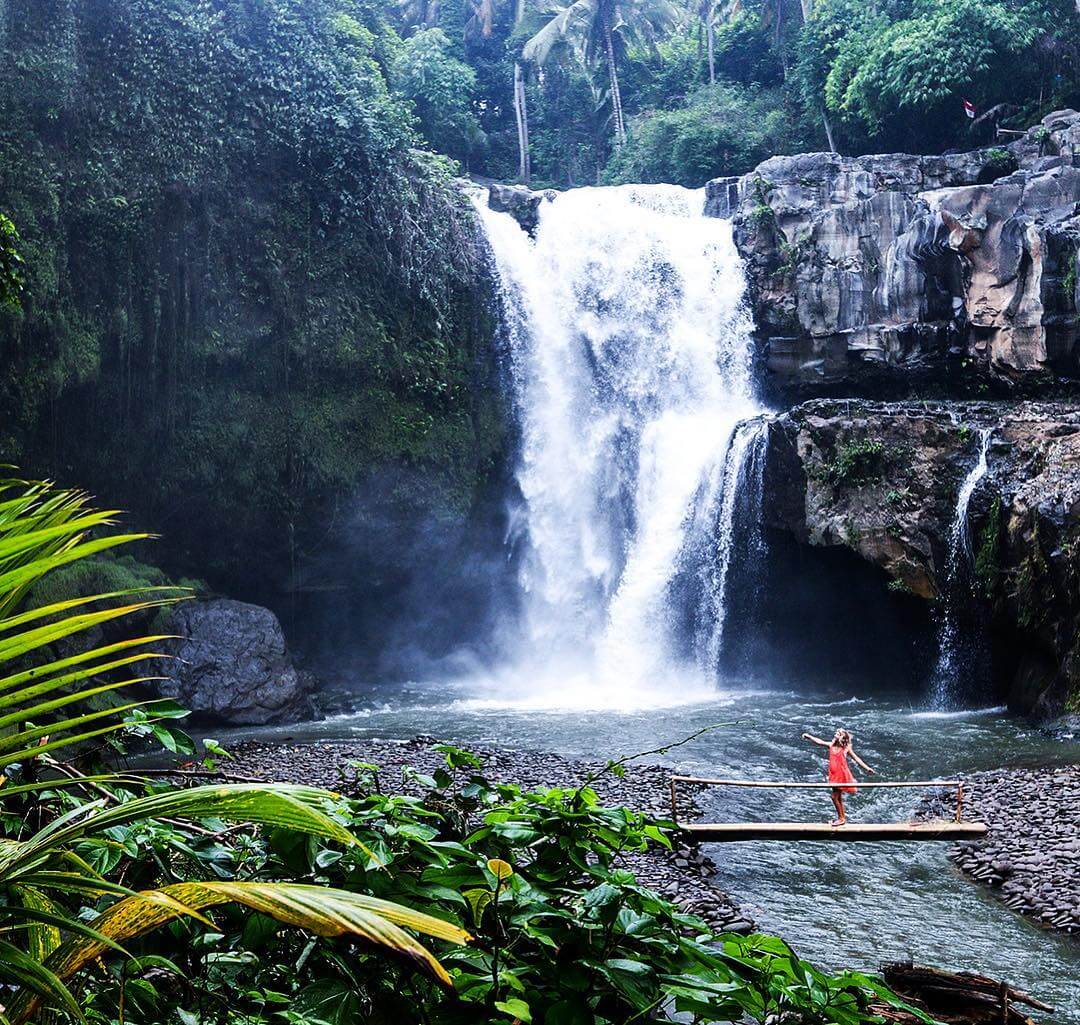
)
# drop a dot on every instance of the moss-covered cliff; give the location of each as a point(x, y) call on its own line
point(248, 294)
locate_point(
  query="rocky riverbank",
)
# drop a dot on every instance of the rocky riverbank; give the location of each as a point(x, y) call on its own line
point(683, 875)
point(1031, 857)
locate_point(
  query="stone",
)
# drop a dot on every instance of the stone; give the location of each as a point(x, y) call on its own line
point(881, 273)
point(231, 665)
point(520, 202)
point(896, 512)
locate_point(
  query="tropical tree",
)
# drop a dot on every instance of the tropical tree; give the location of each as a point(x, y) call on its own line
point(45, 676)
point(596, 30)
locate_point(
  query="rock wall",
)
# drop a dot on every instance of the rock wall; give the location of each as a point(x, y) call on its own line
point(894, 274)
point(882, 480)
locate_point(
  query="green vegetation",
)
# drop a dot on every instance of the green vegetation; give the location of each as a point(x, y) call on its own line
point(1068, 280)
point(249, 291)
point(573, 91)
point(855, 464)
point(127, 900)
point(988, 552)
point(11, 271)
point(65, 834)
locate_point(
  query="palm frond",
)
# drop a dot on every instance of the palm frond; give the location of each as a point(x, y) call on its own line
point(317, 909)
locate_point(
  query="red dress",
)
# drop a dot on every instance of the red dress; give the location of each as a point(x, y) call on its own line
point(839, 770)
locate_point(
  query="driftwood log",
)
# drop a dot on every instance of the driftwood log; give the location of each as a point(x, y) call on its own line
point(958, 998)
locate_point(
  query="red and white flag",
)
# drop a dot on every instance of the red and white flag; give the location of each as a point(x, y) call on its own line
point(969, 108)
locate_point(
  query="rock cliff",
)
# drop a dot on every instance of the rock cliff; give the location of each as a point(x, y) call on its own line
point(892, 274)
point(882, 480)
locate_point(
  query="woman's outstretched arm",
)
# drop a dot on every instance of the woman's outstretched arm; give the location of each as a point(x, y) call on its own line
point(815, 740)
point(861, 762)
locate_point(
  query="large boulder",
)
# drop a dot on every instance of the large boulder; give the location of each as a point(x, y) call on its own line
point(231, 665)
point(887, 273)
point(882, 480)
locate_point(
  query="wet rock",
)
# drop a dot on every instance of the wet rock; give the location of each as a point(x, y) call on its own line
point(520, 202)
point(875, 273)
point(231, 665)
point(1036, 871)
point(882, 479)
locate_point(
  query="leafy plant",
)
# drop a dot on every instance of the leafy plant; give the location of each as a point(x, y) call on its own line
point(855, 463)
point(11, 266)
point(563, 929)
point(43, 529)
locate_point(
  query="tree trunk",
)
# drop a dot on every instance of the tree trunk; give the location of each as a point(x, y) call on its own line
point(616, 96)
point(521, 114)
point(522, 117)
point(828, 130)
point(710, 38)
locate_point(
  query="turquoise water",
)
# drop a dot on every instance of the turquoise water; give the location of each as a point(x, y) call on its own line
point(854, 904)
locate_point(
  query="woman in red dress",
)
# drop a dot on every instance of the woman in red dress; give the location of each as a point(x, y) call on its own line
point(839, 770)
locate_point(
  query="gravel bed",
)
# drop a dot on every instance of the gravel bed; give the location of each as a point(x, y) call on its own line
point(684, 875)
point(1031, 855)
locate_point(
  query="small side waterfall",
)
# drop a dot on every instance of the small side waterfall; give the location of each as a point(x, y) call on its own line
point(733, 530)
point(630, 352)
point(948, 672)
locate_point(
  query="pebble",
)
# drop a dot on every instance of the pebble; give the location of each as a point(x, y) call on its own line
point(682, 874)
point(1031, 855)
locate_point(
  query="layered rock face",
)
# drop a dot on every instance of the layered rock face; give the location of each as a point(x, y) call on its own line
point(231, 665)
point(886, 274)
point(882, 479)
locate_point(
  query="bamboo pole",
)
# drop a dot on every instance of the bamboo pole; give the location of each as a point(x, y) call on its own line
point(812, 786)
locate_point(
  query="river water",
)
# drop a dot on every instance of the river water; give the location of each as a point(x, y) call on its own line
point(855, 905)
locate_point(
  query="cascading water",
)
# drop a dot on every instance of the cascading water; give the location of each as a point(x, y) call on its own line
point(948, 672)
point(731, 526)
point(629, 348)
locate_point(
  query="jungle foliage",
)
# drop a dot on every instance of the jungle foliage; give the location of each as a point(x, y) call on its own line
point(126, 899)
point(246, 287)
point(688, 91)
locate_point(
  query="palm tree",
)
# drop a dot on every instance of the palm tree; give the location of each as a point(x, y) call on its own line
point(591, 28)
point(43, 528)
point(712, 12)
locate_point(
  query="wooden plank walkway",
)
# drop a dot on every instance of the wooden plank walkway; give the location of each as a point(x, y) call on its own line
point(727, 832)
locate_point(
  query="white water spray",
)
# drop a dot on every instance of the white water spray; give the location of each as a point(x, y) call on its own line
point(631, 361)
point(740, 480)
point(946, 682)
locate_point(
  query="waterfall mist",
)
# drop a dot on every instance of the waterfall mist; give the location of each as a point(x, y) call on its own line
point(630, 359)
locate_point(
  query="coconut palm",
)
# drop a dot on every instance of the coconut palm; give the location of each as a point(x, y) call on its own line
point(596, 30)
point(42, 687)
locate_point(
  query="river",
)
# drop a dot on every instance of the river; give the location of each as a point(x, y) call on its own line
point(855, 905)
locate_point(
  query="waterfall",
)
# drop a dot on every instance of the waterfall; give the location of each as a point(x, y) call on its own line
point(947, 679)
point(732, 527)
point(630, 357)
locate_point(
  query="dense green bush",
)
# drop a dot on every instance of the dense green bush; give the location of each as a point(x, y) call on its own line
point(441, 89)
point(898, 73)
point(723, 129)
point(562, 932)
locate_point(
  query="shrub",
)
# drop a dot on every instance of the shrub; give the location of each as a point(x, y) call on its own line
point(722, 130)
point(855, 463)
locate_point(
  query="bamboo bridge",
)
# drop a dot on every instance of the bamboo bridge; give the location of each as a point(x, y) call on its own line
point(727, 832)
